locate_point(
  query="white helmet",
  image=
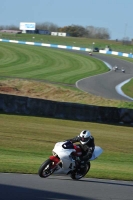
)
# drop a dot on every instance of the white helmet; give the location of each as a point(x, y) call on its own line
point(85, 136)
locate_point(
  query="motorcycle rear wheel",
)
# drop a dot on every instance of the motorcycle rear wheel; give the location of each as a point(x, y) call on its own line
point(81, 172)
point(46, 169)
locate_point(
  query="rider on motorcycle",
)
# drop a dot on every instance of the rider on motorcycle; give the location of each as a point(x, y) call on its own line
point(86, 143)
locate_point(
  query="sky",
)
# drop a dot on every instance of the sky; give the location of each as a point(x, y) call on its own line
point(114, 15)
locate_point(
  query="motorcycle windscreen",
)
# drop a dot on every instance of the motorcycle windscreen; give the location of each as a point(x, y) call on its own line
point(68, 145)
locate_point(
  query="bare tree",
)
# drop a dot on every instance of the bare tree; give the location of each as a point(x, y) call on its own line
point(11, 27)
point(96, 32)
point(47, 26)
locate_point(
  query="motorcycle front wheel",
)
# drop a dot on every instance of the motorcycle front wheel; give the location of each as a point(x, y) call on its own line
point(46, 169)
point(81, 172)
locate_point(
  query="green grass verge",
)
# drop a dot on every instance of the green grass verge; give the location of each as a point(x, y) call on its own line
point(28, 141)
point(128, 88)
point(46, 63)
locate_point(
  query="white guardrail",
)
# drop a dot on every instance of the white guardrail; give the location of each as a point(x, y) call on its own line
point(68, 47)
point(47, 45)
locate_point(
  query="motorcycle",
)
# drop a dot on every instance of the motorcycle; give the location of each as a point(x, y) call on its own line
point(64, 161)
point(123, 70)
point(90, 53)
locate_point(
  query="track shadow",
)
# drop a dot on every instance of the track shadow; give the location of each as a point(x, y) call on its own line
point(108, 182)
point(8, 192)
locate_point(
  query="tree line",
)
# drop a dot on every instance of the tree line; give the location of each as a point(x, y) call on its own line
point(72, 30)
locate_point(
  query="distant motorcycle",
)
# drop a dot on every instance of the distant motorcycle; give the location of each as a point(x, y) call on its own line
point(123, 70)
point(90, 53)
point(115, 68)
point(63, 161)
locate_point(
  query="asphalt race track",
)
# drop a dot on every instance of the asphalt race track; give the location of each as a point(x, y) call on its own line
point(104, 85)
point(32, 187)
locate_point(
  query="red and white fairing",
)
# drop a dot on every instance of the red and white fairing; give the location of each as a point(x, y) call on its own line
point(62, 153)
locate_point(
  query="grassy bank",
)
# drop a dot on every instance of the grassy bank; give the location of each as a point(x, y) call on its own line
point(46, 63)
point(27, 141)
point(54, 92)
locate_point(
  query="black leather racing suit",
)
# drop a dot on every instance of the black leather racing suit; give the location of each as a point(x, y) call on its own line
point(87, 149)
